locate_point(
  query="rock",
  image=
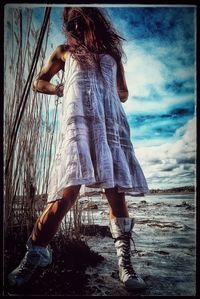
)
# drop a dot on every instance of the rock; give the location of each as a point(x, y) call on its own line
point(143, 202)
point(90, 206)
point(162, 252)
point(183, 204)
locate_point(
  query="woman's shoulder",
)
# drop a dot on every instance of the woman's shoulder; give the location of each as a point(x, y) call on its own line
point(62, 51)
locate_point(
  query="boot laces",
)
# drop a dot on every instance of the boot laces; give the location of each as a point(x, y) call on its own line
point(126, 253)
point(26, 266)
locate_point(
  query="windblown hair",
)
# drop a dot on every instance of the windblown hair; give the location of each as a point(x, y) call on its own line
point(95, 35)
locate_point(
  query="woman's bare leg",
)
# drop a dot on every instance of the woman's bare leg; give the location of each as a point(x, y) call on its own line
point(47, 224)
point(117, 203)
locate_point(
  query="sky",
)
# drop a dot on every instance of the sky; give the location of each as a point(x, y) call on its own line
point(160, 69)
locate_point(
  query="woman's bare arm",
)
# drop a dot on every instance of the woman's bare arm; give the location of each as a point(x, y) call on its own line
point(55, 63)
point(121, 83)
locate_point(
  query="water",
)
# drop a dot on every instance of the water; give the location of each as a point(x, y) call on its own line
point(166, 207)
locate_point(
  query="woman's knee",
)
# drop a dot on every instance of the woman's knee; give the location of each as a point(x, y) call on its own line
point(59, 207)
point(71, 193)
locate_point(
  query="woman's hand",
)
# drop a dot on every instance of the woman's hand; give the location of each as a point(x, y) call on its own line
point(60, 90)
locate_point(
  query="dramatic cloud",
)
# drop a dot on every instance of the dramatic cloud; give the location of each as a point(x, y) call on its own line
point(171, 164)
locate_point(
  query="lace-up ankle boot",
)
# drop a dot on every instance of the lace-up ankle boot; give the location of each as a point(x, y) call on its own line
point(121, 229)
point(36, 256)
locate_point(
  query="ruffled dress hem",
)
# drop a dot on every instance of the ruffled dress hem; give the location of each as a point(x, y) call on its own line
point(99, 187)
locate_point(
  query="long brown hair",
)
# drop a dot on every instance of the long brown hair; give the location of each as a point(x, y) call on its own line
point(96, 35)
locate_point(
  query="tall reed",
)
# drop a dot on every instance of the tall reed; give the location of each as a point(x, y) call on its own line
point(28, 132)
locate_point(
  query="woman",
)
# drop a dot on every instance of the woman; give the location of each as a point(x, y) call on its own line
point(94, 147)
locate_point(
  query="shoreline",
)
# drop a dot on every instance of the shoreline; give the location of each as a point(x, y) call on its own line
point(170, 193)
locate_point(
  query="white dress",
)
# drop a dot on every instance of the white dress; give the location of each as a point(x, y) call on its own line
point(94, 147)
